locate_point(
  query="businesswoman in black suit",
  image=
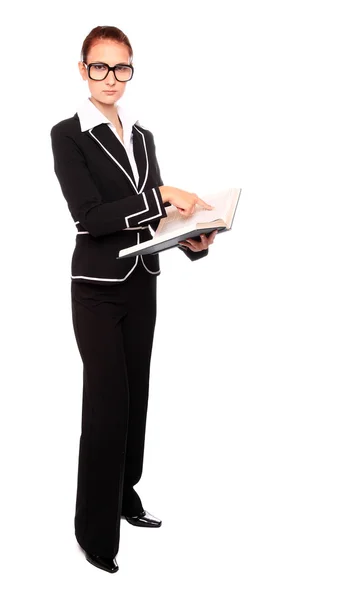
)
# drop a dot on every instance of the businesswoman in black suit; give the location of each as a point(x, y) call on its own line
point(106, 165)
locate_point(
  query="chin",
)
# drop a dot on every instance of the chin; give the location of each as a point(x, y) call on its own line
point(104, 99)
point(110, 99)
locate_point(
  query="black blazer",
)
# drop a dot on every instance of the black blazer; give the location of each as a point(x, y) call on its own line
point(109, 211)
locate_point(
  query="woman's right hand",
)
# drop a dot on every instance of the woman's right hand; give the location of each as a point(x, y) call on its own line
point(184, 201)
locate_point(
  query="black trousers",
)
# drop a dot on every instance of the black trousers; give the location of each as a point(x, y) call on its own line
point(114, 329)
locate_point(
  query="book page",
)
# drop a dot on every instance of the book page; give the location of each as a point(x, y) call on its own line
point(175, 220)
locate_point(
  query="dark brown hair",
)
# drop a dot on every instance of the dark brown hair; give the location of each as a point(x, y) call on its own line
point(104, 33)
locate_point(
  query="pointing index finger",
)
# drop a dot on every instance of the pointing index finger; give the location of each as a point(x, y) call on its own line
point(204, 204)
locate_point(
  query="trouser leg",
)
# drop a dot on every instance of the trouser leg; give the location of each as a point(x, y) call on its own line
point(97, 321)
point(138, 333)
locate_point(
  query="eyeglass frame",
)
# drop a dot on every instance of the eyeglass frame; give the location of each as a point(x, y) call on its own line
point(109, 69)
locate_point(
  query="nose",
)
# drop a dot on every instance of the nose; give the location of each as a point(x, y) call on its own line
point(111, 77)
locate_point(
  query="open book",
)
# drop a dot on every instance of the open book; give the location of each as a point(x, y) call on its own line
point(175, 227)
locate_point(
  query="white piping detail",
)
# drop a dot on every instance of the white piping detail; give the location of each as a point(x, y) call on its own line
point(127, 275)
point(114, 130)
point(149, 271)
point(105, 278)
point(119, 164)
point(130, 179)
point(158, 205)
point(141, 211)
point(125, 229)
point(76, 222)
point(130, 228)
point(146, 153)
point(152, 272)
point(114, 159)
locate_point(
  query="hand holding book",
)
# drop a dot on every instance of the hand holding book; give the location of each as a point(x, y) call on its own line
point(187, 203)
point(197, 217)
point(196, 246)
point(184, 201)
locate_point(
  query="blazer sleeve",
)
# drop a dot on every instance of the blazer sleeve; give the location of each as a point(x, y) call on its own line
point(84, 199)
point(190, 253)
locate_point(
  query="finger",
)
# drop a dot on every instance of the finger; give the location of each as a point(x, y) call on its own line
point(204, 240)
point(186, 212)
point(204, 204)
point(193, 244)
point(212, 236)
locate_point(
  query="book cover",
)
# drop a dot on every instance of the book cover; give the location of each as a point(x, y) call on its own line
point(175, 227)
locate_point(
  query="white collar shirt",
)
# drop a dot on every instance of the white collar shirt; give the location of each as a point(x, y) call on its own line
point(90, 116)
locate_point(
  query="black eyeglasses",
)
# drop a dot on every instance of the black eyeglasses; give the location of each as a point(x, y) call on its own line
point(98, 71)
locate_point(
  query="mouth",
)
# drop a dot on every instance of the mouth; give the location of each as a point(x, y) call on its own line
point(109, 91)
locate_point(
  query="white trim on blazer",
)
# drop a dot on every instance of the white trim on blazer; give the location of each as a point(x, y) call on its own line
point(90, 116)
point(127, 275)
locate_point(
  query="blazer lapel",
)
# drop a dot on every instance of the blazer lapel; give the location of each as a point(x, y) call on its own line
point(141, 157)
point(116, 152)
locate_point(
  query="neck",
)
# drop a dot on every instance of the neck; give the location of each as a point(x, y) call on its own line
point(109, 111)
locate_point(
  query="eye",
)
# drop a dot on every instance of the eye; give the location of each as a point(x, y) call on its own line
point(99, 67)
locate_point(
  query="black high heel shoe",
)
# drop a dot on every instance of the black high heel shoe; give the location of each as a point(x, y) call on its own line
point(144, 519)
point(102, 562)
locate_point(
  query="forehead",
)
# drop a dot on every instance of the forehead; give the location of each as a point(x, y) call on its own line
point(108, 51)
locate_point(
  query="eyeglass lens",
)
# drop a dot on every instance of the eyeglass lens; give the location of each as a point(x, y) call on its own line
point(100, 71)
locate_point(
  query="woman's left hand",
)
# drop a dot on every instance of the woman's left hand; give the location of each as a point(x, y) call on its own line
point(199, 246)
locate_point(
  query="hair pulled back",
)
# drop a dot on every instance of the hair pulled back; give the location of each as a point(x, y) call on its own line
point(101, 33)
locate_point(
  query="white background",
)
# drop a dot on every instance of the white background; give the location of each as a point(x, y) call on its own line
point(242, 455)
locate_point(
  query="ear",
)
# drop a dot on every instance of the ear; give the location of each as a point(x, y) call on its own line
point(82, 70)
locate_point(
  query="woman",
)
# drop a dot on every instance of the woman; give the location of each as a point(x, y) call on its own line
point(108, 172)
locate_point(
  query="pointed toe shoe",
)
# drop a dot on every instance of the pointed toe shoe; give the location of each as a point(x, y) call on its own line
point(144, 519)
